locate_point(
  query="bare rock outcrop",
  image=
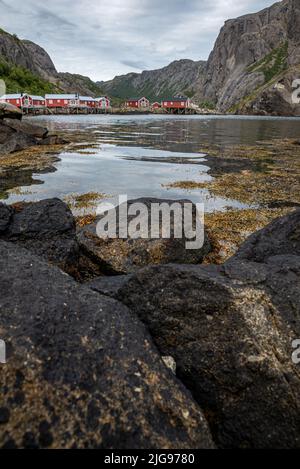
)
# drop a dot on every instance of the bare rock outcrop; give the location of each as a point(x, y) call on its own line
point(230, 331)
point(81, 370)
point(250, 52)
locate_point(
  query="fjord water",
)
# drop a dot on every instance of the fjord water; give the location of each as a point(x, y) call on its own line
point(140, 155)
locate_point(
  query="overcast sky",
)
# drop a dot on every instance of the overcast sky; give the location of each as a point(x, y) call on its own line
point(104, 38)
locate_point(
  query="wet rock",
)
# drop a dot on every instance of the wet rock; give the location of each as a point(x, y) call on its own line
point(82, 371)
point(47, 229)
point(53, 140)
point(10, 111)
point(6, 214)
point(230, 331)
point(108, 286)
point(27, 127)
point(124, 256)
point(282, 236)
point(12, 140)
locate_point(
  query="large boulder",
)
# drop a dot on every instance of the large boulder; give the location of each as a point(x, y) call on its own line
point(124, 256)
point(230, 330)
point(27, 127)
point(46, 228)
point(81, 370)
point(10, 111)
point(281, 237)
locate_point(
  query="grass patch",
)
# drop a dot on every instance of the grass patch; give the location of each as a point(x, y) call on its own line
point(273, 63)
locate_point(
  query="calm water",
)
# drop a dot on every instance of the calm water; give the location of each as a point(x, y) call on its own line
point(139, 155)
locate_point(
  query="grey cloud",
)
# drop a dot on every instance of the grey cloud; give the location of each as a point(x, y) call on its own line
point(134, 64)
point(104, 38)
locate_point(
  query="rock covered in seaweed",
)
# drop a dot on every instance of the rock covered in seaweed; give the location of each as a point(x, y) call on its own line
point(81, 370)
point(124, 256)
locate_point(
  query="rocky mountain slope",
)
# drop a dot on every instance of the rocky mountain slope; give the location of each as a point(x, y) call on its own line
point(180, 77)
point(253, 61)
point(25, 66)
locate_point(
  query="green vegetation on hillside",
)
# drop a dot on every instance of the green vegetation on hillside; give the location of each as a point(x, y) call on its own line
point(19, 79)
point(207, 105)
point(273, 63)
point(77, 82)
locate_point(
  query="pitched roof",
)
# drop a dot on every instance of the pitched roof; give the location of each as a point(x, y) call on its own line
point(12, 96)
point(137, 99)
point(61, 96)
point(176, 98)
point(19, 96)
point(86, 98)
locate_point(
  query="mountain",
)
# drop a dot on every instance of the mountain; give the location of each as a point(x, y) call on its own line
point(180, 77)
point(254, 61)
point(25, 66)
point(251, 69)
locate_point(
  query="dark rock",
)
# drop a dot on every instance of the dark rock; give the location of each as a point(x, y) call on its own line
point(6, 214)
point(47, 229)
point(124, 256)
point(10, 111)
point(109, 286)
point(282, 236)
point(27, 127)
point(53, 140)
point(230, 331)
point(91, 376)
point(12, 140)
point(4, 415)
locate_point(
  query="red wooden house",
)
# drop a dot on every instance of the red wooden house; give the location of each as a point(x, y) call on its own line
point(19, 100)
point(176, 103)
point(103, 102)
point(62, 100)
point(156, 105)
point(138, 103)
point(38, 102)
point(87, 102)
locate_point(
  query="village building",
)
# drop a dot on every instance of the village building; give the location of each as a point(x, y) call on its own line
point(38, 102)
point(103, 102)
point(177, 103)
point(138, 103)
point(87, 102)
point(62, 100)
point(156, 105)
point(24, 101)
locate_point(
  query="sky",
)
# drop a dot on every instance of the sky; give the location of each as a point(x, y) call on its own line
point(105, 38)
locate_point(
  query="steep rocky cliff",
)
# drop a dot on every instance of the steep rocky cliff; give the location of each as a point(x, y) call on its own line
point(25, 66)
point(180, 77)
point(26, 54)
point(252, 57)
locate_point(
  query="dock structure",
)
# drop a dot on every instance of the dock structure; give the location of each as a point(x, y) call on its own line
point(174, 105)
point(58, 103)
